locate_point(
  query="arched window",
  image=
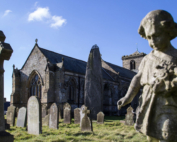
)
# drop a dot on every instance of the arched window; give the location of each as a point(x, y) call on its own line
point(72, 91)
point(132, 64)
point(35, 86)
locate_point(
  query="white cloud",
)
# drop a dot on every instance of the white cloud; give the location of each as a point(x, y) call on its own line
point(36, 3)
point(39, 14)
point(6, 12)
point(58, 21)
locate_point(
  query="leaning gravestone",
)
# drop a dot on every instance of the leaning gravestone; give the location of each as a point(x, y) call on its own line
point(129, 117)
point(5, 54)
point(100, 118)
point(53, 116)
point(21, 119)
point(77, 116)
point(85, 123)
point(10, 115)
point(67, 113)
point(34, 116)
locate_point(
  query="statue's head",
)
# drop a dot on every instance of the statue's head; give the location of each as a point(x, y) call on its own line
point(158, 27)
point(158, 19)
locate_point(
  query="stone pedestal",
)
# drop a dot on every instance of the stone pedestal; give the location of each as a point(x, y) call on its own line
point(6, 137)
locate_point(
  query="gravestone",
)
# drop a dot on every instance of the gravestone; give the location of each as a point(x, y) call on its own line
point(45, 121)
point(100, 118)
point(10, 115)
point(5, 54)
point(94, 83)
point(85, 123)
point(21, 119)
point(34, 116)
point(67, 113)
point(53, 116)
point(77, 116)
point(129, 117)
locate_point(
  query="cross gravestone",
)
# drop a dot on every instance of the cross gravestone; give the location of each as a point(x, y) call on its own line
point(77, 116)
point(67, 113)
point(34, 116)
point(5, 54)
point(21, 119)
point(85, 123)
point(10, 115)
point(100, 118)
point(129, 117)
point(53, 116)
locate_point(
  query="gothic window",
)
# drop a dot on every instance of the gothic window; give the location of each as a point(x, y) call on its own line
point(72, 91)
point(132, 64)
point(35, 86)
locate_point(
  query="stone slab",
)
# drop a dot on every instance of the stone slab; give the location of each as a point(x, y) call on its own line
point(67, 113)
point(129, 117)
point(53, 116)
point(10, 115)
point(34, 116)
point(77, 116)
point(21, 119)
point(100, 118)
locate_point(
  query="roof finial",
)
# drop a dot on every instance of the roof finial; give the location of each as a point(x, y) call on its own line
point(36, 40)
point(136, 46)
point(13, 66)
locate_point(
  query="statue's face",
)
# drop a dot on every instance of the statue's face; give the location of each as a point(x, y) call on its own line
point(158, 39)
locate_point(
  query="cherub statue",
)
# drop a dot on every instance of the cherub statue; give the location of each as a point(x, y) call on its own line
point(157, 117)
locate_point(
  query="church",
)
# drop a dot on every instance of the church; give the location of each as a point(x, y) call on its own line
point(54, 77)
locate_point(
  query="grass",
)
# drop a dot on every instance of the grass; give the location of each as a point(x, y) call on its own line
point(111, 131)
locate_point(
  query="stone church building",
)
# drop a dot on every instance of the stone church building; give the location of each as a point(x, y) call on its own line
point(54, 77)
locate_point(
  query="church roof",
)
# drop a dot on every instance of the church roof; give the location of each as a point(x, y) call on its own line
point(70, 64)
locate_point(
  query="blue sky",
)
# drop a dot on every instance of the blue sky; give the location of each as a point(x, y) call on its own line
point(72, 27)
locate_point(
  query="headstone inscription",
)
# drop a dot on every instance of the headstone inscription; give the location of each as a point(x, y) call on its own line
point(21, 119)
point(100, 118)
point(77, 116)
point(67, 113)
point(5, 54)
point(34, 116)
point(53, 116)
point(85, 123)
point(10, 115)
point(129, 117)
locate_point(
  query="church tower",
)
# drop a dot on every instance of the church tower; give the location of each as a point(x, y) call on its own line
point(132, 61)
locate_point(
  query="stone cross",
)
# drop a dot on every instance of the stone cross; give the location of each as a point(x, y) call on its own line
point(85, 123)
point(53, 116)
point(21, 119)
point(77, 116)
point(34, 116)
point(100, 118)
point(129, 117)
point(5, 54)
point(67, 113)
point(10, 116)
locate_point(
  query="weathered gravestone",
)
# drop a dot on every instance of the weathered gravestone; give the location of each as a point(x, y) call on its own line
point(21, 119)
point(53, 116)
point(77, 116)
point(129, 117)
point(10, 115)
point(100, 118)
point(34, 116)
point(94, 83)
point(67, 113)
point(85, 123)
point(45, 121)
point(5, 54)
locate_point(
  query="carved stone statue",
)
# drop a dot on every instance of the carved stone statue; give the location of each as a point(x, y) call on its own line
point(157, 117)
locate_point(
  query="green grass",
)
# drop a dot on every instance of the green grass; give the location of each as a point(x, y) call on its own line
point(111, 131)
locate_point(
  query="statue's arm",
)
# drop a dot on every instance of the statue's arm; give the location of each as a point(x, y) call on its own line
point(132, 91)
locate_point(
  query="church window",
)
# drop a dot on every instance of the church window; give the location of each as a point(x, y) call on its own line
point(132, 64)
point(35, 86)
point(72, 91)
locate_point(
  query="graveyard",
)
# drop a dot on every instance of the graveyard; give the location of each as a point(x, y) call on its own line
point(113, 130)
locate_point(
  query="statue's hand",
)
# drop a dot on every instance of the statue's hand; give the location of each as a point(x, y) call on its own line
point(121, 102)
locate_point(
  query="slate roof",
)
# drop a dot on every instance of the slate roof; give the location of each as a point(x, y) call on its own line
point(123, 72)
point(70, 64)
